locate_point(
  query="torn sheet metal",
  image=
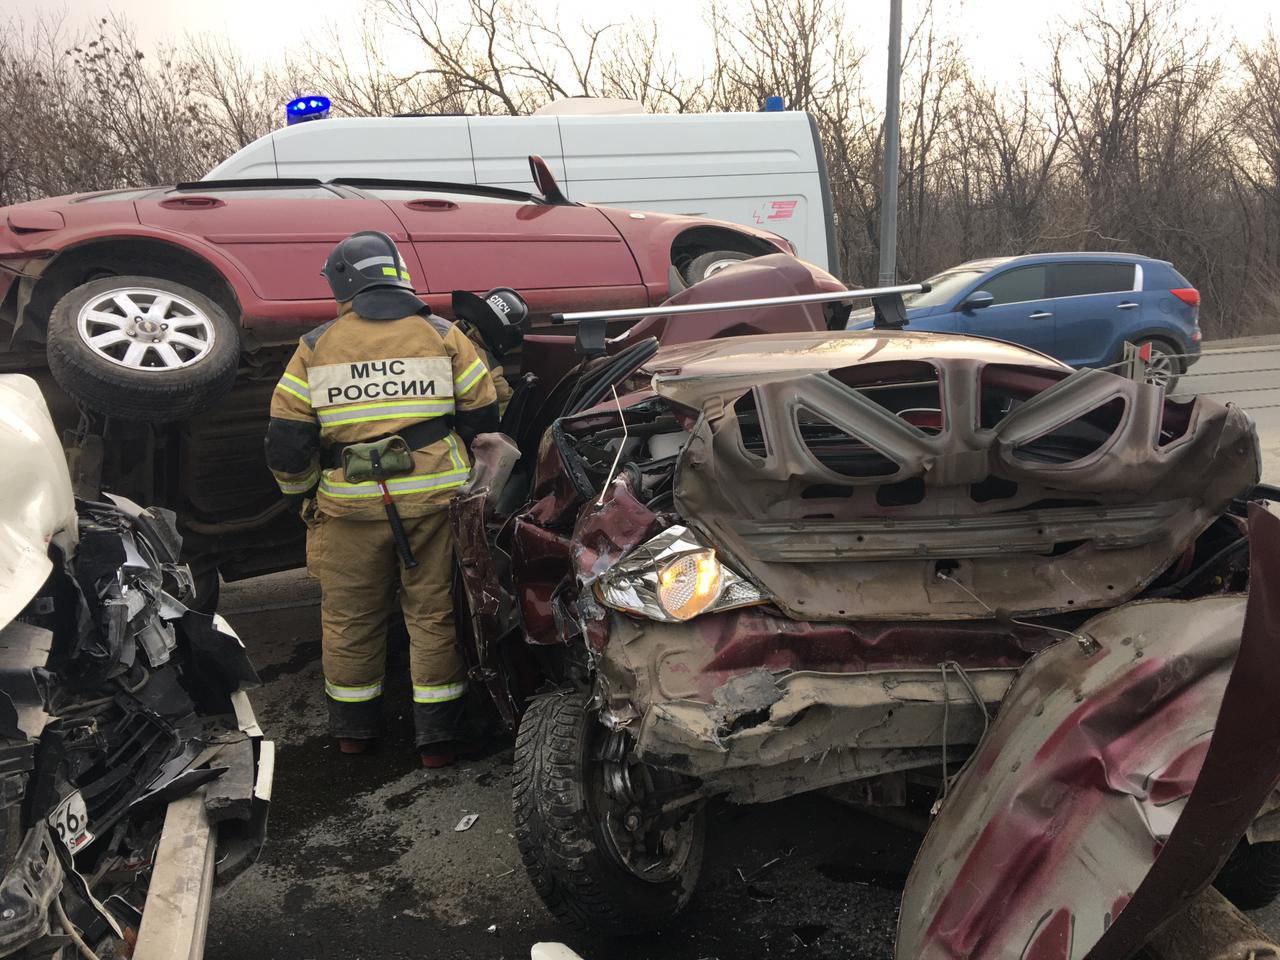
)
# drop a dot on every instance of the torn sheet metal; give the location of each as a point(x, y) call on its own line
point(1112, 785)
point(116, 703)
point(1028, 525)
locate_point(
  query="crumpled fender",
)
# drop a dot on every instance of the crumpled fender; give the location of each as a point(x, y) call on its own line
point(1114, 783)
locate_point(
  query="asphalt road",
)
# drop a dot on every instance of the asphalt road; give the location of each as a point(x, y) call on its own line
point(363, 860)
point(1245, 372)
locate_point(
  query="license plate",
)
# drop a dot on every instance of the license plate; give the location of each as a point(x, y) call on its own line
point(70, 820)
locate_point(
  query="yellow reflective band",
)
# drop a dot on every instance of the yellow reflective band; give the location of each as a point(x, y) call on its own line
point(389, 271)
point(469, 378)
point(453, 452)
point(353, 694)
point(445, 403)
point(397, 486)
point(298, 486)
point(438, 693)
point(398, 409)
point(296, 387)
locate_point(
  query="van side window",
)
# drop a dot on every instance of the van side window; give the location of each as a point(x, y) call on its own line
point(1017, 285)
point(1082, 279)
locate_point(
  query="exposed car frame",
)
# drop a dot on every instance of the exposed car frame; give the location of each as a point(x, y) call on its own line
point(891, 527)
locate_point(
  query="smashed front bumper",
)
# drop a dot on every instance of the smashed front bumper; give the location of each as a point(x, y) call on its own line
point(133, 773)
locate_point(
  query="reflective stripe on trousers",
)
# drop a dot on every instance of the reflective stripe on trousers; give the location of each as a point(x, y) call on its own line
point(438, 693)
point(353, 694)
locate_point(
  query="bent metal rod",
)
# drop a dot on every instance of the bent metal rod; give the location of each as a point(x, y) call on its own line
point(835, 296)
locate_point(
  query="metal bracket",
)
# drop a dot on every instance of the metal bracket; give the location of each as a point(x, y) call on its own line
point(590, 337)
point(891, 312)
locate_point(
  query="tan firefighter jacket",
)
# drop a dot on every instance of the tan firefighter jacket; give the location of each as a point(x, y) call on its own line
point(355, 379)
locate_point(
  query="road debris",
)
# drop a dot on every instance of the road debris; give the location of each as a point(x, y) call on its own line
point(467, 822)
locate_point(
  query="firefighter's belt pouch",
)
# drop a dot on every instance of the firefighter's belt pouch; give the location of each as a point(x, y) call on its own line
point(391, 455)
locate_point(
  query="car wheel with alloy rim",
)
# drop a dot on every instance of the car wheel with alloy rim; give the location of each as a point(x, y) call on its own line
point(142, 348)
point(1165, 365)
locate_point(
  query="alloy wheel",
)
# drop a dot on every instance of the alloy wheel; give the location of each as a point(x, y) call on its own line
point(1162, 367)
point(145, 329)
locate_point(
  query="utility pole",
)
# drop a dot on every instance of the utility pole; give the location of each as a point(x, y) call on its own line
point(889, 192)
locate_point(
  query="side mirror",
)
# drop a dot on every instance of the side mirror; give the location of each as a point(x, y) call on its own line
point(545, 181)
point(977, 300)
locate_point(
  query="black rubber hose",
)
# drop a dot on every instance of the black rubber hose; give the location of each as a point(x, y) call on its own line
point(621, 367)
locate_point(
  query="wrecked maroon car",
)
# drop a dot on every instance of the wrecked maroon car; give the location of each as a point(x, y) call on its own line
point(768, 564)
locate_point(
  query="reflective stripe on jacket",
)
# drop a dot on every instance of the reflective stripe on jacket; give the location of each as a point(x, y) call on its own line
point(355, 379)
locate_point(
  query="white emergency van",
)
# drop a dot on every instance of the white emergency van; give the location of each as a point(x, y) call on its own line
point(759, 169)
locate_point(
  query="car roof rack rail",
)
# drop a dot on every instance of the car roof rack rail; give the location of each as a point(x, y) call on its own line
point(890, 311)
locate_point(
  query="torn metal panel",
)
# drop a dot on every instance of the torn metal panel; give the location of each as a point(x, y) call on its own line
point(1038, 491)
point(1113, 783)
point(493, 457)
point(540, 566)
point(488, 601)
point(654, 679)
point(115, 699)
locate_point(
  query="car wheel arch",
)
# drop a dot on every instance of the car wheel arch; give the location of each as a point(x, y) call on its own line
point(698, 240)
point(129, 255)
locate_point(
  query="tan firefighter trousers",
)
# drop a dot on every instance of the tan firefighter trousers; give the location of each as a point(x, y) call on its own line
point(359, 573)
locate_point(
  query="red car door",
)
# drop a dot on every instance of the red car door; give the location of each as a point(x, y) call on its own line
point(278, 235)
point(558, 257)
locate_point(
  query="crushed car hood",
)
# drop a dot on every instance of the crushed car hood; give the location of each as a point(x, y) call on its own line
point(1122, 768)
point(35, 489)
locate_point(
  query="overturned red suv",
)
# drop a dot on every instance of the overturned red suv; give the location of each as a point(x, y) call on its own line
point(149, 305)
point(753, 567)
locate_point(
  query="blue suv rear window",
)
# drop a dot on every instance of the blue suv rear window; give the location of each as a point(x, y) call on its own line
point(1162, 276)
point(1083, 279)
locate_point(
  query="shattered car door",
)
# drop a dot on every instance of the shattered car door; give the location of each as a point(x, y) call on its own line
point(1123, 767)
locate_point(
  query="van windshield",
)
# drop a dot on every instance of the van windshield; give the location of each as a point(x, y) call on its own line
point(945, 287)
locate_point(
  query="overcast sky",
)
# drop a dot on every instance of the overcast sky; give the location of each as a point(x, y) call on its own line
point(1001, 37)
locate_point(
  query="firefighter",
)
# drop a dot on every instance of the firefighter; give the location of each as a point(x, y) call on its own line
point(371, 423)
point(495, 323)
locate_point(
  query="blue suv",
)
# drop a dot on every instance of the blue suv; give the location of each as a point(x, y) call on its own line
point(1079, 307)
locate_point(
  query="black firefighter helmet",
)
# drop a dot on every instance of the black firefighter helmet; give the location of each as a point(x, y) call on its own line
point(367, 269)
point(500, 316)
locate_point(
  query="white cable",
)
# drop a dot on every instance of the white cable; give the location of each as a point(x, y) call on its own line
point(85, 950)
point(622, 445)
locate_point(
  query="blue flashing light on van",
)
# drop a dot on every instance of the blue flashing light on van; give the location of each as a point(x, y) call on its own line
point(301, 109)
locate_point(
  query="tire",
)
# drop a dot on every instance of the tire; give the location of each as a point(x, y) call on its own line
point(706, 264)
point(561, 835)
point(142, 368)
point(1250, 878)
point(1164, 356)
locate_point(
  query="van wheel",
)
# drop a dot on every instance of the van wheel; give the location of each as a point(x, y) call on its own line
point(142, 348)
point(706, 264)
point(599, 856)
point(1250, 878)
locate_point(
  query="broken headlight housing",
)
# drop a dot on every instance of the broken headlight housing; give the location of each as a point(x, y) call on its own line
point(675, 577)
